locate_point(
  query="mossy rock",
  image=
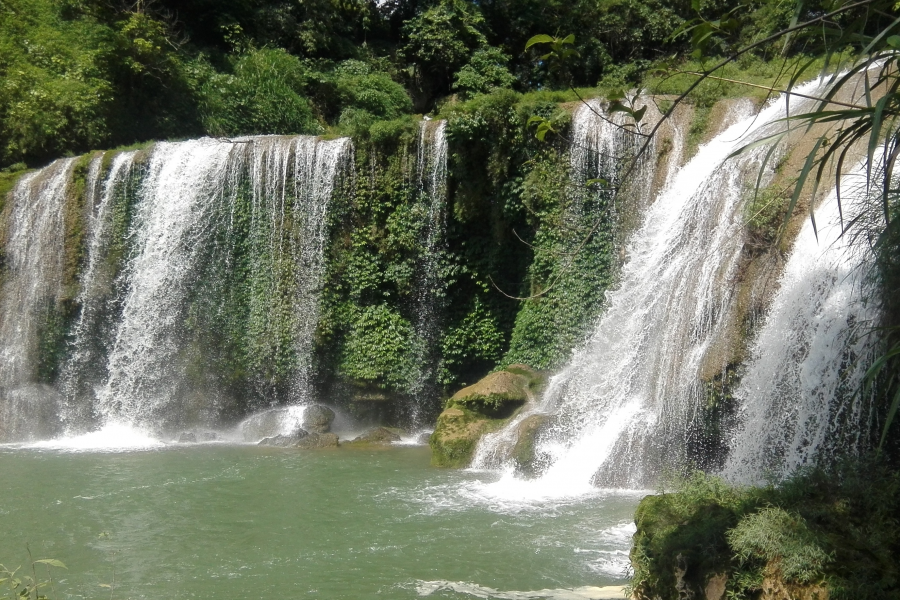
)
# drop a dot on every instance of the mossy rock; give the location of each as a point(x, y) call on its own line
point(456, 435)
point(527, 461)
point(495, 396)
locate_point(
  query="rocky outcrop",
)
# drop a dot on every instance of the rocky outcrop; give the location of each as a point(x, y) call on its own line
point(496, 396)
point(482, 408)
point(527, 461)
point(317, 418)
point(456, 435)
point(380, 436)
point(285, 441)
point(315, 441)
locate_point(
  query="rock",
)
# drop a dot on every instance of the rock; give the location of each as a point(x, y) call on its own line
point(528, 463)
point(497, 395)
point(379, 435)
point(423, 438)
point(30, 412)
point(456, 434)
point(715, 587)
point(187, 437)
point(317, 418)
point(207, 436)
point(285, 441)
point(319, 440)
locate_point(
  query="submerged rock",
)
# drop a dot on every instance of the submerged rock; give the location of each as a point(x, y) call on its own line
point(379, 435)
point(317, 418)
point(193, 436)
point(318, 440)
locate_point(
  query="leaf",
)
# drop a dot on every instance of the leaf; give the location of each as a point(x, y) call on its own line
point(541, 38)
point(894, 41)
point(105, 585)
point(639, 114)
point(52, 562)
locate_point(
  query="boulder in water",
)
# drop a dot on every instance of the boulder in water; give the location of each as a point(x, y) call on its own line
point(318, 440)
point(270, 423)
point(317, 418)
point(285, 441)
point(528, 462)
point(456, 434)
point(379, 435)
point(496, 396)
point(187, 437)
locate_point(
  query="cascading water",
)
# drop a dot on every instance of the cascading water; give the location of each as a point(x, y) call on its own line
point(431, 186)
point(32, 286)
point(86, 348)
point(798, 395)
point(191, 249)
point(622, 408)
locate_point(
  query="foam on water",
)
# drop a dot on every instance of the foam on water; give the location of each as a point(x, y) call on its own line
point(113, 437)
point(427, 588)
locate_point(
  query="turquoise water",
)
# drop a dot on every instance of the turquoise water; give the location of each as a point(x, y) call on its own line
point(220, 521)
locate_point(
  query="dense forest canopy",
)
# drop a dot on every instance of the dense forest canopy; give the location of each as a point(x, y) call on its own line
point(81, 74)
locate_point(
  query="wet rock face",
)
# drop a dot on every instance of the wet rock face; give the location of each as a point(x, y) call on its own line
point(318, 418)
point(456, 436)
point(30, 412)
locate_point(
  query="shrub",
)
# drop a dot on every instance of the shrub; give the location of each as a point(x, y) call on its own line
point(263, 94)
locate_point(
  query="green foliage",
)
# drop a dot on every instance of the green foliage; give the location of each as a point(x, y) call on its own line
point(440, 41)
point(834, 527)
point(374, 347)
point(777, 537)
point(262, 95)
point(56, 89)
point(18, 586)
point(484, 72)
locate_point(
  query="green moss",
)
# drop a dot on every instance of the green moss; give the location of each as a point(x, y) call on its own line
point(456, 436)
point(833, 529)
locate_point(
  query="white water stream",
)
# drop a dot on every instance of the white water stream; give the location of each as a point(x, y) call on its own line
point(431, 188)
point(623, 405)
point(798, 395)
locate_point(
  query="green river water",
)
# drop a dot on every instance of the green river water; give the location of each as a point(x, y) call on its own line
point(231, 521)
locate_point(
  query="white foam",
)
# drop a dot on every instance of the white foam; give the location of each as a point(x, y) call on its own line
point(113, 437)
point(427, 588)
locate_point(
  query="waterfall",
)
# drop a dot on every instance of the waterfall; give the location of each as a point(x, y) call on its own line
point(30, 291)
point(798, 396)
point(431, 188)
point(33, 264)
point(202, 259)
point(174, 216)
point(623, 406)
point(91, 327)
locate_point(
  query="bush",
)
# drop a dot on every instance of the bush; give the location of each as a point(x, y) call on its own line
point(263, 94)
point(486, 71)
